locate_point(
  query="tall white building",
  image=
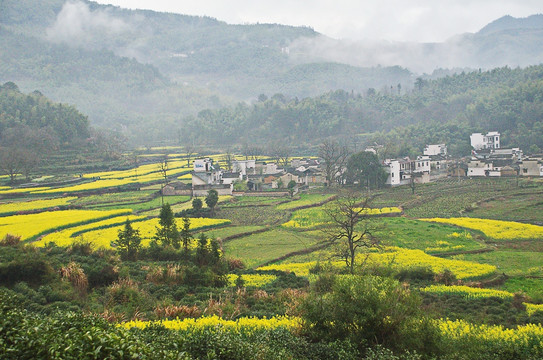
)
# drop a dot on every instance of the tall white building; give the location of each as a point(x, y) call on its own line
point(435, 150)
point(489, 141)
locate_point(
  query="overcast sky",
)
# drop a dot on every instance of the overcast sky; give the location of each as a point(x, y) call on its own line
point(395, 20)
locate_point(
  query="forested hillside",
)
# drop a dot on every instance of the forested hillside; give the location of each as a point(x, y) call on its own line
point(35, 111)
point(445, 110)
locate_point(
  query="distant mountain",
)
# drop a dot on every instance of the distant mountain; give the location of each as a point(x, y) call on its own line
point(141, 72)
point(507, 23)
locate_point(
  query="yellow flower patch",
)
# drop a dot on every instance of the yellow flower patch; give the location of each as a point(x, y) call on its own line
point(252, 280)
point(241, 325)
point(32, 225)
point(34, 205)
point(401, 259)
point(467, 292)
point(495, 229)
point(66, 237)
point(103, 237)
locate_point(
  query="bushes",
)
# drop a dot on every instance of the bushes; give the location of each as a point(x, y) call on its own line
point(69, 335)
point(367, 310)
point(30, 267)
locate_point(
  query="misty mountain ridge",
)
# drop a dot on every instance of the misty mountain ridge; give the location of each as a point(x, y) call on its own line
point(127, 69)
point(508, 22)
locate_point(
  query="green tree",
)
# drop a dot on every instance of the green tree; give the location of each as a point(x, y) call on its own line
point(367, 311)
point(364, 169)
point(211, 200)
point(167, 233)
point(128, 242)
point(197, 204)
point(290, 187)
point(202, 251)
point(185, 234)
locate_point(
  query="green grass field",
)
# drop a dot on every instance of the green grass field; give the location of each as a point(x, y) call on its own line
point(305, 200)
point(148, 205)
point(257, 249)
point(231, 230)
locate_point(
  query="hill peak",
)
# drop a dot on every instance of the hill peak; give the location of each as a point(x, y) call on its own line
point(509, 22)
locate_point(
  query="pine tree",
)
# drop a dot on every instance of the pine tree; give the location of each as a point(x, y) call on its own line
point(185, 234)
point(128, 242)
point(202, 251)
point(211, 199)
point(167, 233)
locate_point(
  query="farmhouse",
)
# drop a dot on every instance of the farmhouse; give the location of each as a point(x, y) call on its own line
point(489, 141)
point(435, 150)
point(207, 176)
point(531, 167)
point(403, 171)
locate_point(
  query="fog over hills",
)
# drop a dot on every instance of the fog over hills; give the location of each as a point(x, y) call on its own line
point(125, 67)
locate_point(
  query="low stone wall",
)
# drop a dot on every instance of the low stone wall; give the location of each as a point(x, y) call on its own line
point(261, 193)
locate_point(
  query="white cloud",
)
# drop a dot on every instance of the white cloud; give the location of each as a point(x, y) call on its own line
point(76, 24)
point(396, 20)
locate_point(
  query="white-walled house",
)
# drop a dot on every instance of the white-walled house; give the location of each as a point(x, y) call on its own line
point(207, 176)
point(531, 167)
point(245, 167)
point(435, 150)
point(401, 171)
point(392, 167)
point(485, 168)
point(489, 141)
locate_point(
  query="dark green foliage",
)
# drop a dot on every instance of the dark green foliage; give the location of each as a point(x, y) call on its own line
point(367, 310)
point(128, 242)
point(31, 267)
point(185, 234)
point(365, 170)
point(36, 111)
point(197, 204)
point(167, 233)
point(211, 199)
point(202, 251)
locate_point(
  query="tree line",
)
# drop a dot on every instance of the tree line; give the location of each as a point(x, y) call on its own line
point(443, 110)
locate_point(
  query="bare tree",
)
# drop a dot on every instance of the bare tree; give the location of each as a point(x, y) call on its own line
point(282, 154)
point(189, 150)
point(22, 149)
point(228, 159)
point(163, 168)
point(351, 226)
point(334, 157)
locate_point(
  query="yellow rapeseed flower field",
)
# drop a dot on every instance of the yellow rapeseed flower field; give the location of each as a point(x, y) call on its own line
point(244, 325)
point(23, 190)
point(398, 258)
point(533, 308)
point(495, 229)
point(521, 336)
point(66, 237)
point(103, 237)
point(32, 225)
point(34, 205)
point(139, 171)
point(468, 292)
point(252, 280)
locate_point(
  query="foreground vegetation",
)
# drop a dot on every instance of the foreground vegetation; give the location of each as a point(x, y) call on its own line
point(260, 278)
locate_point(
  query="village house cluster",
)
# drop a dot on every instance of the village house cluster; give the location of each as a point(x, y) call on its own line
point(487, 159)
point(254, 176)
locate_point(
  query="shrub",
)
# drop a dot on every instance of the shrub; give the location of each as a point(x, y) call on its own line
point(10, 240)
point(366, 310)
point(31, 268)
